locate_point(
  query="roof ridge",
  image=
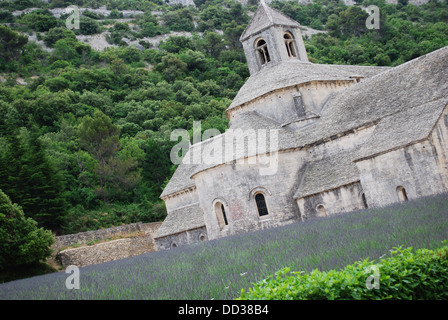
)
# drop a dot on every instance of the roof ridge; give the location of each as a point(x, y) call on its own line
point(266, 9)
point(249, 23)
point(281, 13)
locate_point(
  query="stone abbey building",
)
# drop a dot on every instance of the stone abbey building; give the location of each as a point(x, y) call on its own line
point(330, 139)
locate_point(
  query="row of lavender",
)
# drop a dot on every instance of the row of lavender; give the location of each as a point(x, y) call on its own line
point(219, 269)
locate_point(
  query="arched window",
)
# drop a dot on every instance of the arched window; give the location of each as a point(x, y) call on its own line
point(261, 205)
point(262, 48)
point(321, 212)
point(221, 215)
point(202, 237)
point(364, 201)
point(402, 196)
point(173, 245)
point(289, 43)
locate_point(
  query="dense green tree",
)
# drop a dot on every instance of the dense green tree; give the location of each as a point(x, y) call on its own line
point(171, 67)
point(100, 137)
point(114, 14)
point(150, 29)
point(156, 168)
point(6, 16)
point(175, 44)
point(116, 169)
point(21, 241)
point(212, 18)
point(33, 181)
point(179, 20)
point(233, 31)
point(237, 13)
point(72, 51)
point(351, 21)
point(88, 26)
point(213, 44)
point(40, 20)
point(23, 4)
point(49, 106)
point(57, 83)
point(43, 197)
point(56, 34)
point(11, 45)
point(194, 60)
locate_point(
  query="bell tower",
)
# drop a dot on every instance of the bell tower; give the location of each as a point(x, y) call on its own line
point(271, 38)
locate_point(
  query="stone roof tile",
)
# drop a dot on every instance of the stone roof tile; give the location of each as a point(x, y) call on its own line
point(294, 72)
point(327, 174)
point(406, 86)
point(182, 219)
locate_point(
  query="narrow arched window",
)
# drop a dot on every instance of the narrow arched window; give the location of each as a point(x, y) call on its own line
point(261, 205)
point(262, 48)
point(321, 211)
point(289, 43)
point(221, 215)
point(224, 214)
point(401, 192)
point(364, 201)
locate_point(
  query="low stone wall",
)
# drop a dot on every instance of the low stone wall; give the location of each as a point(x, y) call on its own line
point(101, 234)
point(107, 251)
point(137, 238)
point(150, 227)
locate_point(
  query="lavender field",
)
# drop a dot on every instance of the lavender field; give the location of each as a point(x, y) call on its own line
point(219, 269)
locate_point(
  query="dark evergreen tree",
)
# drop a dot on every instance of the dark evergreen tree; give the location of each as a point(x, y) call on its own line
point(156, 168)
point(10, 181)
point(32, 181)
point(43, 192)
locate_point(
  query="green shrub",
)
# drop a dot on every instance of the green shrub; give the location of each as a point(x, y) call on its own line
point(21, 241)
point(58, 33)
point(40, 20)
point(422, 274)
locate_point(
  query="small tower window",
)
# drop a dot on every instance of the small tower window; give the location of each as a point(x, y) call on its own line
point(221, 215)
point(321, 211)
point(289, 43)
point(402, 194)
point(261, 205)
point(262, 48)
point(298, 104)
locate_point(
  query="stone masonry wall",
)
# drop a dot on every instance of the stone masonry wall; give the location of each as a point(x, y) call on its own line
point(137, 239)
point(101, 234)
point(414, 168)
point(182, 238)
point(107, 251)
point(235, 186)
point(339, 200)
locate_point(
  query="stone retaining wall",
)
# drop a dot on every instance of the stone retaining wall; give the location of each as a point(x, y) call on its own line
point(107, 251)
point(137, 238)
point(101, 234)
